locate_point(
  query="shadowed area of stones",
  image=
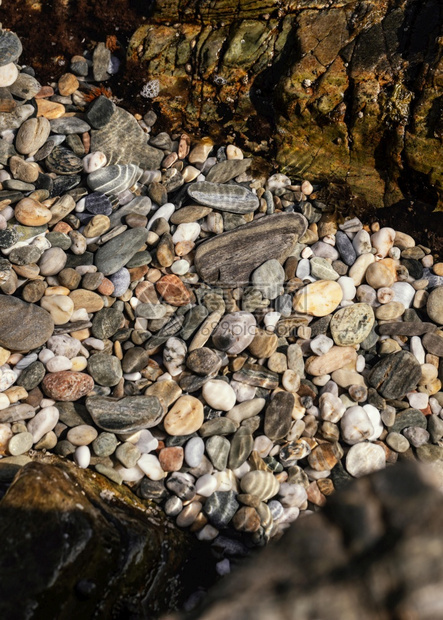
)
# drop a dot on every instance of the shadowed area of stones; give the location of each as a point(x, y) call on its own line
point(375, 551)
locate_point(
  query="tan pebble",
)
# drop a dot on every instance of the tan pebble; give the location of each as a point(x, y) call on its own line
point(56, 290)
point(167, 391)
point(315, 496)
point(62, 227)
point(438, 269)
point(358, 269)
point(233, 152)
point(154, 275)
point(30, 271)
point(318, 298)
point(79, 363)
point(182, 248)
point(264, 344)
point(16, 393)
point(89, 300)
point(67, 84)
point(26, 171)
point(97, 226)
point(200, 152)
point(379, 276)
point(81, 334)
point(277, 362)
point(291, 380)
point(4, 355)
point(60, 307)
point(390, 311)
point(190, 173)
point(185, 417)
point(345, 378)
point(334, 359)
point(5, 436)
point(387, 346)
point(32, 135)
point(403, 241)
point(420, 299)
point(29, 212)
point(50, 109)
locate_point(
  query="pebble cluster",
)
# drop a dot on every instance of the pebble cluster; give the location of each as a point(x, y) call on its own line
point(214, 338)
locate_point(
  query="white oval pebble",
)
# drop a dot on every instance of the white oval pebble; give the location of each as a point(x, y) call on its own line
point(365, 458)
point(219, 395)
point(82, 456)
point(43, 422)
point(150, 465)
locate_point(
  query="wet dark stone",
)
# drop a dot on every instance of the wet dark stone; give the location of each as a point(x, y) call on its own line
point(100, 112)
point(31, 376)
point(98, 203)
point(220, 507)
point(278, 415)
point(241, 447)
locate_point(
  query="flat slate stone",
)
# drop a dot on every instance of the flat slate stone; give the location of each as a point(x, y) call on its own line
point(123, 141)
point(433, 343)
point(126, 415)
point(231, 198)
point(229, 258)
point(227, 170)
point(278, 415)
point(406, 328)
point(408, 418)
point(396, 374)
point(33, 329)
point(114, 254)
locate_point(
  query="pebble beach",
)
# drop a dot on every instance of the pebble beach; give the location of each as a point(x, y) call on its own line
point(217, 339)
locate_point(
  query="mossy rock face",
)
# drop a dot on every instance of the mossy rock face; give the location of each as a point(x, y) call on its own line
point(75, 544)
point(344, 91)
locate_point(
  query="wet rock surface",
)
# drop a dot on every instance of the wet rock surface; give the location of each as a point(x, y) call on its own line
point(97, 548)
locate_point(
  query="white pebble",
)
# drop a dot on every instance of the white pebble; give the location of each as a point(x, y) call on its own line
point(82, 456)
point(186, 232)
point(383, 240)
point(355, 425)
point(375, 419)
point(45, 355)
point(165, 211)
point(194, 450)
point(206, 485)
point(321, 344)
point(362, 242)
point(43, 422)
point(94, 161)
point(417, 349)
point(180, 267)
point(348, 287)
point(8, 74)
point(418, 400)
point(404, 293)
point(150, 465)
point(58, 363)
point(219, 395)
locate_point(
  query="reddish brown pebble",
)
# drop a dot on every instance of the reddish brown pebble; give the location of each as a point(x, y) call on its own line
point(67, 385)
point(34, 398)
point(106, 287)
point(62, 227)
point(173, 291)
point(137, 273)
point(315, 496)
point(171, 459)
point(86, 139)
point(45, 91)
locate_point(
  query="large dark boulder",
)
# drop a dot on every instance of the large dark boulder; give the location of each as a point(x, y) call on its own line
point(75, 545)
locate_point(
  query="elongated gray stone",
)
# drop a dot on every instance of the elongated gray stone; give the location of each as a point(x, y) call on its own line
point(114, 255)
point(406, 328)
point(395, 374)
point(69, 125)
point(229, 258)
point(123, 141)
point(126, 415)
point(227, 170)
point(433, 343)
point(241, 447)
point(232, 198)
point(114, 179)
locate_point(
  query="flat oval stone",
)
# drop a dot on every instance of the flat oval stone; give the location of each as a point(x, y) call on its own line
point(365, 458)
point(278, 415)
point(127, 415)
point(185, 417)
point(395, 374)
point(408, 418)
point(351, 325)
point(433, 343)
point(231, 198)
point(114, 254)
point(69, 125)
point(32, 135)
point(63, 161)
point(67, 385)
point(318, 298)
point(263, 484)
point(225, 171)
point(31, 331)
point(114, 179)
point(231, 257)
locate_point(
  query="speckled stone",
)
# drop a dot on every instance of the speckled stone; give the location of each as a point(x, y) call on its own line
point(33, 329)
